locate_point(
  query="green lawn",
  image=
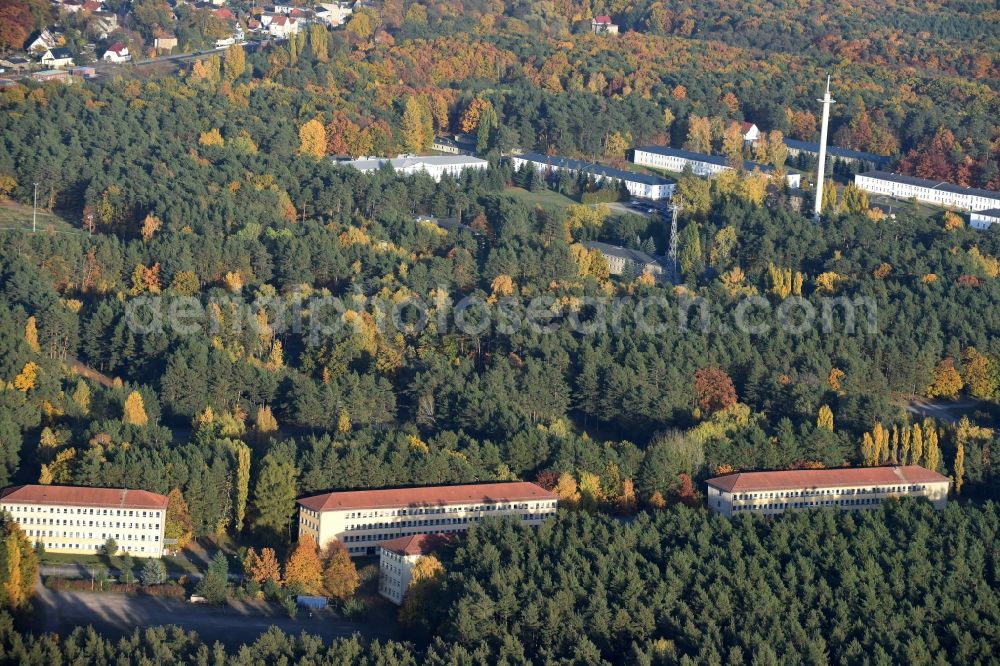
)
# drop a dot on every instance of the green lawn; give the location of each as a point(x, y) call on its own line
point(547, 199)
point(178, 564)
point(14, 215)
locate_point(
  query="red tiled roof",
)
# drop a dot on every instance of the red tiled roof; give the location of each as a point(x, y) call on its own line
point(604, 18)
point(742, 482)
point(118, 498)
point(117, 47)
point(416, 544)
point(517, 491)
point(747, 126)
point(223, 13)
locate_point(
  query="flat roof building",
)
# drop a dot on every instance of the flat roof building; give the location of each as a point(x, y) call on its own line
point(934, 192)
point(361, 519)
point(72, 519)
point(638, 184)
point(622, 259)
point(677, 159)
point(435, 166)
point(983, 219)
point(848, 489)
point(870, 160)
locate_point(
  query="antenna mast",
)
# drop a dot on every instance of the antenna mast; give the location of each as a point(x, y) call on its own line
point(821, 168)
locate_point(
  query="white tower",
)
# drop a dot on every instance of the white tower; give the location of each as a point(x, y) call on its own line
point(821, 168)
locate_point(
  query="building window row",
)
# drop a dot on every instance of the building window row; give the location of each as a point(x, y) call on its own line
point(830, 491)
point(133, 513)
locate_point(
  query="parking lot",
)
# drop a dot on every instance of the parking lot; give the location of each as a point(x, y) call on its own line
point(115, 615)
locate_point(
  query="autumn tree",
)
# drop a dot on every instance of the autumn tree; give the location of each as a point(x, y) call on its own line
point(980, 374)
point(566, 490)
point(235, 62)
point(241, 452)
point(418, 130)
point(303, 569)
point(178, 524)
point(134, 411)
point(18, 565)
point(312, 139)
point(699, 137)
point(340, 576)
point(590, 491)
point(263, 567)
point(947, 382)
point(732, 145)
point(469, 121)
point(31, 335)
point(714, 390)
point(825, 418)
point(426, 579)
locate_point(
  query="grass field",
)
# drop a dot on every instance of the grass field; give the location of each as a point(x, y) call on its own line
point(547, 199)
point(17, 216)
point(179, 564)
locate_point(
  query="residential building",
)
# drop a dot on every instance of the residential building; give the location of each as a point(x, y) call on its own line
point(677, 159)
point(104, 23)
point(750, 133)
point(46, 40)
point(117, 52)
point(281, 26)
point(848, 489)
point(624, 260)
point(15, 63)
point(71, 6)
point(982, 219)
point(333, 13)
point(934, 192)
point(58, 58)
point(398, 557)
point(457, 144)
point(435, 166)
point(600, 25)
point(71, 519)
point(637, 184)
point(361, 519)
point(165, 43)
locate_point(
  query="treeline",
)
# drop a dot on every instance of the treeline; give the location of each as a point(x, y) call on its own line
point(902, 583)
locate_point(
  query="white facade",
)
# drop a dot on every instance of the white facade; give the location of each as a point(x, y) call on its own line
point(750, 133)
point(117, 53)
point(435, 166)
point(676, 160)
point(362, 519)
point(57, 58)
point(772, 493)
point(79, 520)
point(637, 184)
point(395, 573)
point(930, 191)
point(984, 218)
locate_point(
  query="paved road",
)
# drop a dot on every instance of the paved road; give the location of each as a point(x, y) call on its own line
point(948, 411)
point(115, 615)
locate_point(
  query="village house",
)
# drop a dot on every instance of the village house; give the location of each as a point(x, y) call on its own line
point(117, 52)
point(57, 58)
point(600, 25)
